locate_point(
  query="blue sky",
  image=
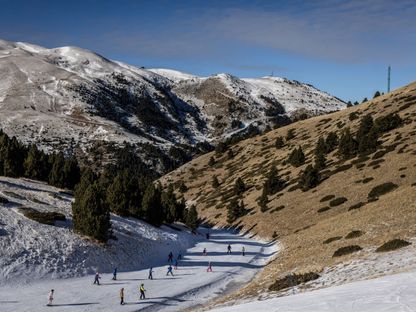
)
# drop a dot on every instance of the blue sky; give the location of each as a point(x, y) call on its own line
point(342, 47)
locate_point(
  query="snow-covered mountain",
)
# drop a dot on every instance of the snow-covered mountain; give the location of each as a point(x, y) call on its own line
point(63, 96)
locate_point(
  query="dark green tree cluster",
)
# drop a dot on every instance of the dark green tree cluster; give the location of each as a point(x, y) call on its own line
point(91, 216)
point(127, 189)
point(296, 157)
point(235, 210)
point(17, 160)
point(366, 139)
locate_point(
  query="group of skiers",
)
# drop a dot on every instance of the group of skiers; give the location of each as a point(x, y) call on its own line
point(142, 290)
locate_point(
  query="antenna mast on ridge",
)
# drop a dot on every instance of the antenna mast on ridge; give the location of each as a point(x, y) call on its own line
point(388, 79)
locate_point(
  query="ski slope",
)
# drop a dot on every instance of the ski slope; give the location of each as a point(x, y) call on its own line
point(190, 286)
point(392, 293)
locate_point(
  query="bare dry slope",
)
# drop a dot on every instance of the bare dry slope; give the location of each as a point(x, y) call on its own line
point(296, 217)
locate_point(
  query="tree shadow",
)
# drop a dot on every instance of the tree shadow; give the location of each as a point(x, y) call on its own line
point(8, 301)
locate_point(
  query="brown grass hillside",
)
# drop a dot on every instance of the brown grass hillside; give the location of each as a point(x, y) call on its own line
point(292, 214)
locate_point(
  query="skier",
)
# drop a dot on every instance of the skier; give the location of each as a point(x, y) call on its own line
point(209, 269)
point(207, 235)
point(169, 270)
point(244, 251)
point(150, 273)
point(176, 264)
point(179, 256)
point(229, 249)
point(50, 297)
point(97, 278)
point(170, 257)
point(204, 252)
point(142, 290)
point(122, 296)
point(114, 274)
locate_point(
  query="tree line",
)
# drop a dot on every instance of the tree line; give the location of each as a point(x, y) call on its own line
point(124, 187)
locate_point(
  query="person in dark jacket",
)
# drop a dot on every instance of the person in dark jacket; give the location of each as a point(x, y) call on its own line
point(115, 274)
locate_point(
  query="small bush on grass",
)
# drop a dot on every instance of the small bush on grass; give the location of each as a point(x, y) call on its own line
point(354, 234)
point(293, 280)
point(326, 198)
point(393, 245)
point(337, 201)
point(346, 250)
point(366, 180)
point(277, 209)
point(331, 239)
point(45, 217)
point(356, 206)
point(381, 190)
point(323, 209)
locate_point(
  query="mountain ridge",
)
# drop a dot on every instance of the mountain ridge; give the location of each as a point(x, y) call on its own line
point(56, 96)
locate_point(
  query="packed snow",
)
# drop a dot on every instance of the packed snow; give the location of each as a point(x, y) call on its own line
point(35, 258)
point(392, 293)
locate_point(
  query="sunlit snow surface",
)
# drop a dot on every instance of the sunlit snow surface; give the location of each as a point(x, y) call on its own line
point(35, 258)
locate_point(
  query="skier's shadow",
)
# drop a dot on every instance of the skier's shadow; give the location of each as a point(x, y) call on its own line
point(149, 302)
point(74, 304)
point(114, 283)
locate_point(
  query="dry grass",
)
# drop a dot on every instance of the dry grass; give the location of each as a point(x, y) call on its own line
point(301, 229)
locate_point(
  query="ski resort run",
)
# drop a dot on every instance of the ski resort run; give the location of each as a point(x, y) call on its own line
point(36, 258)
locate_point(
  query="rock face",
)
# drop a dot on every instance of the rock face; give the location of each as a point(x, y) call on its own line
point(70, 96)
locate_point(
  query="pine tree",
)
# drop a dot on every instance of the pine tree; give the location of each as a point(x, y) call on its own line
point(367, 136)
point(151, 205)
point(230, 154)
point(192, 220)
point(215, 182)
point(169, 204)
point(296, 157)
point(279, 142)
point(377, 94)
point(321, 147)
point(91, 216)
point(263, 201)
point(235, 210)
point(220, 148)
point(239, 186)
point(13, 155)
point(70, 173)
point(182, 187)
point(33, 164)
point(320, 161)
point(364, 100)
point(309, 178)
point(366, 123)
point(349, 104)
point(117, 195)
point(331, 142)
point(348, 146)
point(211, 161)
point(273, 183)
point(56, 177)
